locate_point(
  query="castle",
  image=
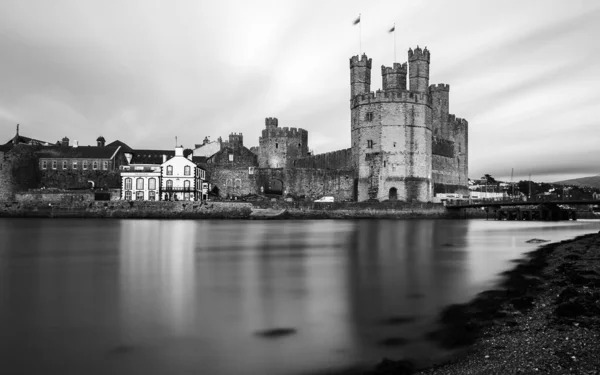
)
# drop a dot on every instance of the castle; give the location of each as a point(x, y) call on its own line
point(405, 146)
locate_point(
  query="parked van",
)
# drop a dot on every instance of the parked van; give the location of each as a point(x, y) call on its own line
point(325, 199)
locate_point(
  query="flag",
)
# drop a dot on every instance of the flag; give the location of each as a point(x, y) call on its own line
point(392, 29)
point(357, 20)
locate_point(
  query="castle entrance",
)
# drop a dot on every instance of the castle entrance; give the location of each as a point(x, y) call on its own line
point(393, 194)
point(275, 186)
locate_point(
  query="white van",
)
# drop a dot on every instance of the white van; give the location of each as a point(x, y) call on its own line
point(325, 199)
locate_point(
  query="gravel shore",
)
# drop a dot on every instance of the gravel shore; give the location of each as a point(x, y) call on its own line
point(545, 318)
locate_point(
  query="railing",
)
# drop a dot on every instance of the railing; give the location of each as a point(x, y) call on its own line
point(169, 189)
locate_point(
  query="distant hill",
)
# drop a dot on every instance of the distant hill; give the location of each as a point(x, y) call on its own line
point(593, 181)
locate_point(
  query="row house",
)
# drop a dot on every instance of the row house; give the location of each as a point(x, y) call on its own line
point(80, 158)
point(177, 178)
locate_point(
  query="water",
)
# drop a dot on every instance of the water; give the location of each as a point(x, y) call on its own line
point(187, 297)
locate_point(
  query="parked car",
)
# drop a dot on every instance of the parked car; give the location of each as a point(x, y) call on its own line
point(325, 199)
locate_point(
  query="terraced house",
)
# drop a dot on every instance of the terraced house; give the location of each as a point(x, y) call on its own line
point(178, 178)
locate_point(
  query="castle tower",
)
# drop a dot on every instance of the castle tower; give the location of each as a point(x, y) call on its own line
point(391, 140)
point(440, 97)
point(236, 140)
point(418, 64)
point(394, 78)
point(279, 147)
point(360, 75)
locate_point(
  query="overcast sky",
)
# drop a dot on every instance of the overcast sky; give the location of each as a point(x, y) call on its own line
point(525, 74)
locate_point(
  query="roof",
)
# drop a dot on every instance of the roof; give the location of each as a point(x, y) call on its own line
point(124, 146)
point(80, 152)
point(22, 139)
point(150, 156)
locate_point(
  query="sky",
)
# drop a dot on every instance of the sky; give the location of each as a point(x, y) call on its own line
point(525, 74)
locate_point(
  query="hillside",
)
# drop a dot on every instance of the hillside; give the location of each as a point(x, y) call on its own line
point(593, 181)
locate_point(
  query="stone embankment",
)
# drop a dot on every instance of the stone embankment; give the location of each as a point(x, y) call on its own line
point(222, 210)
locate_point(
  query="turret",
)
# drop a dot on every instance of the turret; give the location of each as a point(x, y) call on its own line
point(394, 78)
point(418, 64)
point(65, 142)
point(271, 122)
point(360, 75)
point(440, 100)
point(236, 140)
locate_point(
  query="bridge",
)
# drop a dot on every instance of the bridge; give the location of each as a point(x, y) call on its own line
point(525, 210)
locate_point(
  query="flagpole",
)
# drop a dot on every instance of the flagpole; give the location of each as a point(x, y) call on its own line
point(395, 42)
point(359, 35)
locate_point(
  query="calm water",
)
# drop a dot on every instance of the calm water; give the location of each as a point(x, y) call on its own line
point(187, 297)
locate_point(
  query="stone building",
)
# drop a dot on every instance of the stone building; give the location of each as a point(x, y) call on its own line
point(405, 144)
point(279, 147)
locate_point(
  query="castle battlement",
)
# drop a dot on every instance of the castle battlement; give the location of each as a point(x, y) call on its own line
point(271, 121)
point(364, 61)
point(457, 121)
point(439, 87)
point(418, 54)
point(396, 68)
point(390, 97)
point(284, 132)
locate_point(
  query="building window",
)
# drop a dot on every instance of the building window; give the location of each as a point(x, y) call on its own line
point(394, 144)
point(54, 164)
point(369, 116)
point(186, 196)
point(64, 164)
point(128, 184)
point(384, 164)
point(250, 170)
point(95, 165)
point(105, 165)
point(139, 196)
point(169, 170)
point(74, 165)
point(128, 195)
point(84, 165)
point(369, 144)
point(186, 184)
point(151, 195)
point(299, 145)
point(276, 145)
point(139, 184)
point(187, 170)
point(238, 183)
point(152, 184)
point(169, 184)
point(203, 174)
point(230, 157)
point(44, 164)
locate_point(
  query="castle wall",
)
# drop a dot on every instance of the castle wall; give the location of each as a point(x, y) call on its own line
point(18, 171)
point(341, 159)
point(308, 182)
point(450, 157)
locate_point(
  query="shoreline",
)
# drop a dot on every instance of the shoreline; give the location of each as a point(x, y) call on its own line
point(544, 317)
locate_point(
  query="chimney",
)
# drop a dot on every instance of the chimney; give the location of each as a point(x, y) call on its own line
point(75, 143)
point(164, 158)
point(101, 141)
point(179, 151)
point(65, 142)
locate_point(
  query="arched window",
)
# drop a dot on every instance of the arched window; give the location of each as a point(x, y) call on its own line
point(128, 184)
point(169, 170)
point(152, 184)
point(139, 184)
point(186, 184)
point(169, 184)
point(95, 165)
point(187, 171)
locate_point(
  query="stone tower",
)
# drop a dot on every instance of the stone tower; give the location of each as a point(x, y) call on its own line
point(279, 147)
point(360, 75)
point(418, 64)
point(391, 131)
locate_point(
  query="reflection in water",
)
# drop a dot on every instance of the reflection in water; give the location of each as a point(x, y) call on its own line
point(155, 297)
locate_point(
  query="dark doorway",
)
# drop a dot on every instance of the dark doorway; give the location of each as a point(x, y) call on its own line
point(393, 194)
point(275, 187)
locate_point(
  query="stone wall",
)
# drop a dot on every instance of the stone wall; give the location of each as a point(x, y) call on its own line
point(18, 171)
point(341, 159)
point(79, 179)
point(54, 197)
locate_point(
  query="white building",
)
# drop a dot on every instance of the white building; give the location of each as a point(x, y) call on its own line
point(177, 178)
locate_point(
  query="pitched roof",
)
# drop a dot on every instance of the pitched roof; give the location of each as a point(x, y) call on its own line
point(27, 140)
point(125, 147)
point(80, 152)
